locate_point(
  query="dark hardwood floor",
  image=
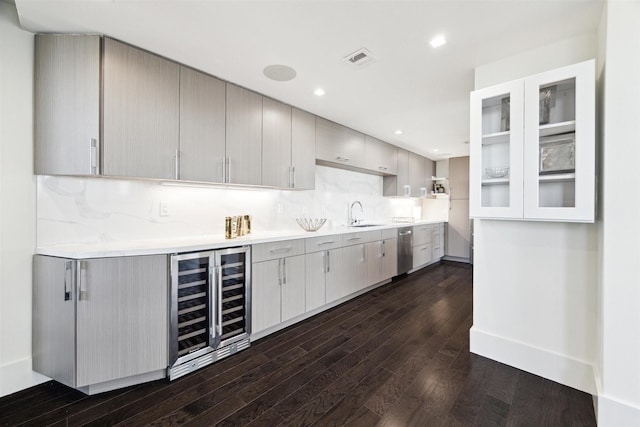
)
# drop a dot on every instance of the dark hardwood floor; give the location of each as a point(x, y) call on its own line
point(396, 356)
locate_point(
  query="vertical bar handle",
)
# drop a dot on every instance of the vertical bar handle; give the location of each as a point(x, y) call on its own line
point(407, 190)
point(82, 282)
point(328, 262)
point(293, 177)
point(223, 178)
point(93, 156)
point(280, 272)
point(176, 166)
point(228, 169)
point(219, 302)
point(284, 271)
point(213, 280)
point(362, 259)
point(68, 270)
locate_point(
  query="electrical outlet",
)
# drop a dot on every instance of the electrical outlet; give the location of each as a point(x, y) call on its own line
point(164, 208)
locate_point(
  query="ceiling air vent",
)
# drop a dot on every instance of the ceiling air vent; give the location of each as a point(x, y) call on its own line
point(360, 57)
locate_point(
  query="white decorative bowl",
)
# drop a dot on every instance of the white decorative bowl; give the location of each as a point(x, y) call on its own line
point(497, 172)
point(311, 224)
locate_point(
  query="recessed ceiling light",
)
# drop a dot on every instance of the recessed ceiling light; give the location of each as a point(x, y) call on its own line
point(437, 41)
point(398, 132)
point(279, 73)
point(435, 150)
point(319, 92)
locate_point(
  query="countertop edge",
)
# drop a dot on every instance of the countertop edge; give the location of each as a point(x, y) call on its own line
point(183, 245)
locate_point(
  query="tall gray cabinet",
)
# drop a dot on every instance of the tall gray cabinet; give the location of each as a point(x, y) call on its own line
point(458, 245)
point(101, 323)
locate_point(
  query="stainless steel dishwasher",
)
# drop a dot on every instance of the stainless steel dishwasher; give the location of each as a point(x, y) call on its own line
point(405, 249)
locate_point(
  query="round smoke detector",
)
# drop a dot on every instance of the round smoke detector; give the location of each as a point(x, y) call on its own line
point(279, 73)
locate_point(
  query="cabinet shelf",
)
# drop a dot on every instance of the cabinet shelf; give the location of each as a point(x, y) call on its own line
point(496, 138)
point(558, 177)
point(495, 181)
point(558, 128)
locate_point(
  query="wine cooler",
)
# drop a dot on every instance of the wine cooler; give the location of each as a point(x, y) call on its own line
point(210, 308)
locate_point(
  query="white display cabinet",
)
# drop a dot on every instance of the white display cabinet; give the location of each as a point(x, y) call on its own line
point(533, 147)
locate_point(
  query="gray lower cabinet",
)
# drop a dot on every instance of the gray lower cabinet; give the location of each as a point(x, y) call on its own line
point(277, 283)
point(67, 104)
point(141, 101)
point(244, 136)
point(202, 127)
point(100, 324)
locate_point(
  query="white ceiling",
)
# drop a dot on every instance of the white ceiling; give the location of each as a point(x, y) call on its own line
point(411, 86)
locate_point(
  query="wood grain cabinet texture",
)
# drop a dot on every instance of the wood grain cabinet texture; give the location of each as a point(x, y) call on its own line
point(99, 320)
point(202, 127)
point(303, 149)
point(244, 136)
point(67, 104)
point(276, 144)
point(141, 101)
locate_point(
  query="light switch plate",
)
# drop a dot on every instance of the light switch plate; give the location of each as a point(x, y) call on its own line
point(164, 209)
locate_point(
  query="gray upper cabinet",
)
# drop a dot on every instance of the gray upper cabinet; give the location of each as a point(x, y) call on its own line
point(303, 149)
point(416, 175)
point(100, 320)
point(276, 144)
point(339, 145)
point(244, 136)
point(398, 185)
point(67, 104)
point(380, 157)
point(459, 178)
point(140, 113)
point(202, 127)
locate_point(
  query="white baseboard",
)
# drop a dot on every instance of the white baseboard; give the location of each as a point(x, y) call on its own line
point(615, 413)
point(547, 364)
point(17, 376)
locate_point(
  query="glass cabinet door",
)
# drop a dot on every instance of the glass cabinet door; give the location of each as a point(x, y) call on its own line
point(496, 146)
point(559, 150)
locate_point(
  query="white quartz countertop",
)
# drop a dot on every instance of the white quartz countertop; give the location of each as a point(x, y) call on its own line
point(200, 243)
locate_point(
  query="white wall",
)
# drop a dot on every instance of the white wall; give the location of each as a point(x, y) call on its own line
point(535, 284)
point(619, 334)
point(17, 202)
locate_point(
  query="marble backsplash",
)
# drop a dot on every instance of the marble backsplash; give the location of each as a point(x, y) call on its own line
point(96, 210)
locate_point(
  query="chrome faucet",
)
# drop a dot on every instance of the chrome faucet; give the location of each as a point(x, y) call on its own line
point(351, 219)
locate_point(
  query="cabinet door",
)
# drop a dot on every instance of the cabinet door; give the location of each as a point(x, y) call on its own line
point(458, 233)
point(54, 318)
point(303, 149)
point(355, 268)
point(380, 156)
point(122, 325)
point(335, 276)
point(398, 186)
point(276, 144)
point(459, 177)
point(140, 113)
point(339, 144)
point(67, 104)
point(559, 144)
point(416, 175)
point(244, 136)
point(373, 262)
point(293, 287)
point(202, 127)
point(315, 287)
point(422, 255)
point(389, 258)
point(496, 138)
point(265, 294)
